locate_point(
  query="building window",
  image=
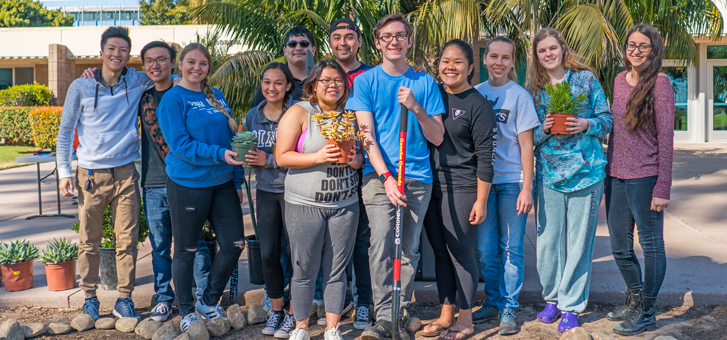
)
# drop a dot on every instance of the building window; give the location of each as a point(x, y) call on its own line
point(128, 15)
point(6, 78)
point(717, 52)
point(24, 75)
point(110, 16)
point(678, 76)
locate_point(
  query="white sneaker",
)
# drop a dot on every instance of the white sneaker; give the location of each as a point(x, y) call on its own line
point(362, 319)
point(322, 321)
point(209, 312)
point(333, 334)
point(160, 312)
point(187, 320)
point(299, 334)
point(286, 328)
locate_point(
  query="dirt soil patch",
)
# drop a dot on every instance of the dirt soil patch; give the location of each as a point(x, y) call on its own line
point(683, 323)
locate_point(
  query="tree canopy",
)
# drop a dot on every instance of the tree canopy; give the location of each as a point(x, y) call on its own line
point(164, 12)
point(29, 13)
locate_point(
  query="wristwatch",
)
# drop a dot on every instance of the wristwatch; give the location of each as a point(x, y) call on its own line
point(384, 176)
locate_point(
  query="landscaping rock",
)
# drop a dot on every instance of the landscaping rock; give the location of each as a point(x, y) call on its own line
point(147, 328)
point(578, 333)
point(255, 314)
point(126, 325)
point(601, 336)
point(665, 337)
point(83, 322)
point(218, 326)
point(198, 331)
point(183, 336)
point(34, 329)
point(10, 330)
point(236, 317)
point(166, 332)
point(56, 328)
point(629, 338)
point(105, 323)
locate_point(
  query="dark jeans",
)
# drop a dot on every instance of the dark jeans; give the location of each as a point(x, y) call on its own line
point(189, 208)
point(628, 201)
point(270, 221)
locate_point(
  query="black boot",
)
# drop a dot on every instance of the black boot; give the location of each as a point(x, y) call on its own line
point(646, 321)
point(630, 307)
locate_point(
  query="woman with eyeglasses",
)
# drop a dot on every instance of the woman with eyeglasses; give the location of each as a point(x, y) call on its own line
point(638, 184)
point(321, 199)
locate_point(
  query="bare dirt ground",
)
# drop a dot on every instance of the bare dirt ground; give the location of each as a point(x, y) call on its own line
point(683, 323)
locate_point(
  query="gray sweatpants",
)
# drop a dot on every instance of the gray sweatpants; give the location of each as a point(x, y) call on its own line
point(382, 217)
point(320, 239)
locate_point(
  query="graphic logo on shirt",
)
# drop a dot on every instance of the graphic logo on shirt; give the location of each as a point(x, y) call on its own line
point(456, 113)
point(501, 114)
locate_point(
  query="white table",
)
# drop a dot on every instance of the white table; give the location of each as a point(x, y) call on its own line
point(44, 158)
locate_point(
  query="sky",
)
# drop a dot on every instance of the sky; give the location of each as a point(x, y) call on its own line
point(78, 3)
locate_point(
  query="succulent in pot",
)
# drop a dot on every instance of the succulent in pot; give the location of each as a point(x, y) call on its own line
point(60, 258)
point(16, 264)
point(243, 142)
point(562, 105)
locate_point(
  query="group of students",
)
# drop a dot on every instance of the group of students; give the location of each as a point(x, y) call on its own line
point(470, 179)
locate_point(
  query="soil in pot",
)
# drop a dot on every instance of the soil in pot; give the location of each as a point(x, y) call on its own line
point(61, 276)
point(17, 276)
point(255, 261)
point(559, 126)
point(345, 146)
point(241, 150)
point(107, 269)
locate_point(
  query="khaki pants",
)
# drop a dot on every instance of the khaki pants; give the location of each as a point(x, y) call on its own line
point(116, 188)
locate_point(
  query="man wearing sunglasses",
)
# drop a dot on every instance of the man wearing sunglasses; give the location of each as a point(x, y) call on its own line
point(298, 41)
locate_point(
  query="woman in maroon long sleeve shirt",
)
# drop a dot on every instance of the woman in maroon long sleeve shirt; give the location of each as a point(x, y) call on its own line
point(638, 181)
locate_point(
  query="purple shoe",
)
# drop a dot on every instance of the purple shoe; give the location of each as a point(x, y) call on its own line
point(568, 321)
point(549, 314)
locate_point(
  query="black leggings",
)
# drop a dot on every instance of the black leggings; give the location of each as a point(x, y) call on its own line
point(189, 208)
point(453, 240)
point(270, 212)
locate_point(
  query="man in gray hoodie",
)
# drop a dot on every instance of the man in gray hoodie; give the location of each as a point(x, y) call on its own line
point(104, 112)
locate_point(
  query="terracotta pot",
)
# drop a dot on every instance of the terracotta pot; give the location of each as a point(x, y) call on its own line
point(242, 150)
point(61, 276)
point(17, 276)
point(344, 146)
point(559, 120)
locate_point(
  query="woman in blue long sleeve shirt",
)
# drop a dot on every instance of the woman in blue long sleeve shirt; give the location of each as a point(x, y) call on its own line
point(204, 181)
point(569, 179)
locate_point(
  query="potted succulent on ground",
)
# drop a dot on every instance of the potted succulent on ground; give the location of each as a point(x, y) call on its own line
point(243, 142)
point(16, 264)
point(339, 129)
point(60, 258)
point(562, 105)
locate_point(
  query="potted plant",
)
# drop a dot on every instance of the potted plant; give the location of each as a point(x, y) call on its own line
point(60, 258)
point(562, 106)
point(243, 142)
point(16, 264)
point(339, 129)
point(107, 249)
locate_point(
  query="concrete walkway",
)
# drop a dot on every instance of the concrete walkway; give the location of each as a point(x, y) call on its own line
point(695, 235)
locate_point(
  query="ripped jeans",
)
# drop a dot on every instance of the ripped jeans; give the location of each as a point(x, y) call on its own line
point(189, 208)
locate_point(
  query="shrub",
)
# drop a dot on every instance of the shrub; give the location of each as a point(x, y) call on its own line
point(107, 223)
point(15, 125)
point(44, 122)
point(26, 95)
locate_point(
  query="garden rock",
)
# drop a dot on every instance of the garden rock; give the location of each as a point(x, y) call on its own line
point(83, 322)
point(183, 336)
point(198, 331)
point(665, 337)
point(105, 323)
point(34, 329)
point(578, 333)
point(166, 332)
point(10, 330)
point(629, 338)
point(218, 326)
point(126, 325)
point(255, 314)
point(601, 336)
point(56, 328)
point(147, 328)
point(236, 317)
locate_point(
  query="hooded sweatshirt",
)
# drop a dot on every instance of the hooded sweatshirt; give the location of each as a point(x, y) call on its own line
point(106, 120)
point(271, 177)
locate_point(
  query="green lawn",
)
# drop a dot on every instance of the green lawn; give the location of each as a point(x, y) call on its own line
point(9, 152)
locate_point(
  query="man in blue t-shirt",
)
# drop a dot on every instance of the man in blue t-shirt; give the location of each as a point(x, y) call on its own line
point(377, 96)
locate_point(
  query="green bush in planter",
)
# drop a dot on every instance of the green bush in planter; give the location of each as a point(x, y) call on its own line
point(107, 223)
point(58, 251)
point(17, 252)
point(26, 95)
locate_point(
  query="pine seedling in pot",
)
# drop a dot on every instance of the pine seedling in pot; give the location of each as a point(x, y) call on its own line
point(562, 105)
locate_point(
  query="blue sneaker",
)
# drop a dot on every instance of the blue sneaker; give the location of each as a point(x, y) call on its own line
point(90, 307)
point(124, 308)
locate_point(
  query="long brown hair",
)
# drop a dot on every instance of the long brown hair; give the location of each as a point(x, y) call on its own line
point(640, 106)
point(208, 92)
point(310, 83)
point(537, 75)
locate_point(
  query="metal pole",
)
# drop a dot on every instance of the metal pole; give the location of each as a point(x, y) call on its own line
point(40, 203)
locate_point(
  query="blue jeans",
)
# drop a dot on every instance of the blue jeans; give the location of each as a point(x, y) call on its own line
point(499, 246)
point(156, 212)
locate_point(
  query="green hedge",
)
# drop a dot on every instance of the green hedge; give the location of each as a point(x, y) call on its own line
point(26, 95)
point(15, 125)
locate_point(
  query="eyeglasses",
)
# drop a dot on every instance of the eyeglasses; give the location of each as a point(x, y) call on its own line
point(159, 61)
point(388, 37)
point(303, 44)
point(328, 81)
point(643, 48)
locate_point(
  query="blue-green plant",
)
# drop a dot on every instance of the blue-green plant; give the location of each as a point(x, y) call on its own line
point(58, 251)
point(17, 252)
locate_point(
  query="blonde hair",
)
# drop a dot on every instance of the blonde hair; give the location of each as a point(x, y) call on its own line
point(537, 75)
point(208, 92)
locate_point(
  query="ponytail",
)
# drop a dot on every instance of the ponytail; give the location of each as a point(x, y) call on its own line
point(210, 94)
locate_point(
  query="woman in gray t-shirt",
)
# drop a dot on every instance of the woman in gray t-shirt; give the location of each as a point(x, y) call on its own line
point(321, 199)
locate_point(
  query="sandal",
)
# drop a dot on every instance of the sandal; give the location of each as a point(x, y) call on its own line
point(440, 329)
point(549, 314)
point(458, 335)
point(568, 321)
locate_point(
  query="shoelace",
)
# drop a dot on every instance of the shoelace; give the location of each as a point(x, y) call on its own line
point(291, 322)
point(161, 308)
point(362, 313)
point(334, 331)
point(273, 319)
point(507, 316)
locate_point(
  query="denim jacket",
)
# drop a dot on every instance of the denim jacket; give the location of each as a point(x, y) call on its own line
point(568, 163)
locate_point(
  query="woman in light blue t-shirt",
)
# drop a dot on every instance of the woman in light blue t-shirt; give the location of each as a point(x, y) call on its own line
point(500, 237)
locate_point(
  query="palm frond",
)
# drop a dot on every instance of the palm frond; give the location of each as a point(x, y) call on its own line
point(589, 33)
point(239, 77)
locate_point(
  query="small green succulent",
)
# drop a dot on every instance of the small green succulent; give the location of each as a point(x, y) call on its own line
point(59, 251)
point(245, 137)
point(17, 252)
point(561, 99)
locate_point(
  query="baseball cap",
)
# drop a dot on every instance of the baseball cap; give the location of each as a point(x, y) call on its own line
point(344, 23)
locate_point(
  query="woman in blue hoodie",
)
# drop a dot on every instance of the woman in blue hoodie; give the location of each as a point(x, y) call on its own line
point(204, 181)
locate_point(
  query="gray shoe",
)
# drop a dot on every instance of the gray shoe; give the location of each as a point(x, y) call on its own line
point(287, 327)
point(486, 313)
point(160, 312)
point(508, 322)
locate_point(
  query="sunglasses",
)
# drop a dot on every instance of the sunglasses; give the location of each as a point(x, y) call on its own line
point(303, 44)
